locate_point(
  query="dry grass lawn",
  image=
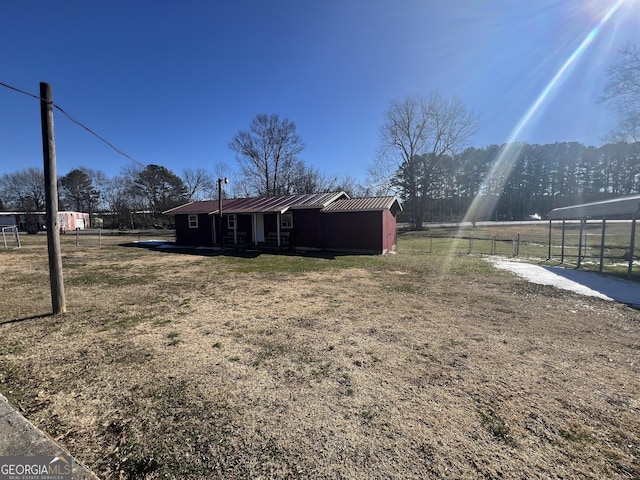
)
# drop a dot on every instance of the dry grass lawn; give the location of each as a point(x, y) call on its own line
point(416, 365)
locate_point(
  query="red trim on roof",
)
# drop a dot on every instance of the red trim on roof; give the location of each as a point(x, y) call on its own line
point(204, 206)
point(326, 202)
point(366, 204)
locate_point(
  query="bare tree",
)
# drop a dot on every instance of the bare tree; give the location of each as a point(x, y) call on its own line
point(119, 202)
point(622, 92)
point(24, 191)
point(351, 186)
point(267, 153)
point(404, 137)
point(237, 187)
point(627, 130)
point(417, 136)
point(240, 188)
point(198, 183)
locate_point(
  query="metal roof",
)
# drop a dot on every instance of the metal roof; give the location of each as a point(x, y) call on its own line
point(319, 200)
point(261, 204)
point(364, 204)
point(616, 207)
point(203, 206)
point(280, 204)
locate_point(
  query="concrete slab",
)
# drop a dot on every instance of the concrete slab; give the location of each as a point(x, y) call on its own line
point(18, 436)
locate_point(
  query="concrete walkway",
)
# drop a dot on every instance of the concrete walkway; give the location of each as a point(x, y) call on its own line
point(20, 437)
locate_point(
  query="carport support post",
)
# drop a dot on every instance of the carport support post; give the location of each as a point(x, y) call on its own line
point(549, 254)
point(564, 223)
point(582, 222)
point(632, 244)
point(58, 300)
point(604, 229)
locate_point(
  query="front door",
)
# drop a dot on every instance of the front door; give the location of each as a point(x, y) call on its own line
point(259, 231)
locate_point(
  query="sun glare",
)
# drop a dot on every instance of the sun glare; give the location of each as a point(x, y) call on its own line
point(599, 9)
point(602, 11)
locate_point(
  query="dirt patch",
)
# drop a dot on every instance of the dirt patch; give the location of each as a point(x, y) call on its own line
point(406, 366)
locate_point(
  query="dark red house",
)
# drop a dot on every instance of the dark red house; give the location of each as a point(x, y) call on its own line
point(326, 221)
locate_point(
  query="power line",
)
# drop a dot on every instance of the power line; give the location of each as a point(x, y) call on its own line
point(77, 122)
point(19, 91)
point(96, 135)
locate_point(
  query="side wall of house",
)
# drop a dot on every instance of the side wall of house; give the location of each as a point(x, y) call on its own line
point(307, 228)
point(352, 231)
point(389, 235)
point(201, 236)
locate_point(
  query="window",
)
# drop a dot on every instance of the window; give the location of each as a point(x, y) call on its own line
point(193, 221)
point(286, 220)
point(231, 222)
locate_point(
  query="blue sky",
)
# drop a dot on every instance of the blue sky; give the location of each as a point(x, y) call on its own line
point(171, 82)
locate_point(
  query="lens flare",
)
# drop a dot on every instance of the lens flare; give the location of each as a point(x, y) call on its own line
point(484, 204)
point(489, 192)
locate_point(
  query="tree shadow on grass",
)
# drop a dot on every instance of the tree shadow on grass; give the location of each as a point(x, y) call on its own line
point(248, 252)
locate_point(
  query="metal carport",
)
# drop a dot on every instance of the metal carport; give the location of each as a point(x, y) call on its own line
point(619, 208)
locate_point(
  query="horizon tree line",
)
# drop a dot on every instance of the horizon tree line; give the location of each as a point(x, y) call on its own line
point(269, 165)
point(543, 177)
point(424, 158)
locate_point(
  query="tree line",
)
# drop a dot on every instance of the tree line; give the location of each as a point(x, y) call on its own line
point(269, 165)
point(152, 189)
point(539, 179)
point(423, 158)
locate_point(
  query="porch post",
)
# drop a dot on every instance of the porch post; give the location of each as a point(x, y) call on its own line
point(278, 227)
point(254, 221)
point(235, 232)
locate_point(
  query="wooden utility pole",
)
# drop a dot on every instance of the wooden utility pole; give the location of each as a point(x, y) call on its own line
point(51, 192)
